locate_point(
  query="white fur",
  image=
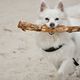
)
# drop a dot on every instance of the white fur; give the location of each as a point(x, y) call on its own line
point(62, 58)
point(49, 13)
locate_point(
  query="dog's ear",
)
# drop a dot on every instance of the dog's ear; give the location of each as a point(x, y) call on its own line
point(60, 6)
point(43, 5)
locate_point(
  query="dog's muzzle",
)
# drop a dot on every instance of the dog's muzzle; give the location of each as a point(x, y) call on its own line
point(52, 26)
point(51, 33)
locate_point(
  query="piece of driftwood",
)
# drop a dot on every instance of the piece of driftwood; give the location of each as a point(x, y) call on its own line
point(44, 28)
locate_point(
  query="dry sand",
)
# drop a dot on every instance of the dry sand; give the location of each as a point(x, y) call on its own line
point(19, 56)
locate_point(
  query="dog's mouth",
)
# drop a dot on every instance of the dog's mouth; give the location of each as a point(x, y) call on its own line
point(51, 33)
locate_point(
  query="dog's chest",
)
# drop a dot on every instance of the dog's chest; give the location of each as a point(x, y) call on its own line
point(45, 41)
point(48, 41)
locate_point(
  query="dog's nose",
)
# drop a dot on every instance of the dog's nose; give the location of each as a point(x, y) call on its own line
point(52, 25)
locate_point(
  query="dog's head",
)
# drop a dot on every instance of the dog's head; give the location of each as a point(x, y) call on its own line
point(51, 17)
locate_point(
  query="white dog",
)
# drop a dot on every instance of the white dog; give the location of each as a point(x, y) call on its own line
point(59, 48)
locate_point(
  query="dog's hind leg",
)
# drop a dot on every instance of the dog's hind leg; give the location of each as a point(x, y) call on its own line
point(66, 68)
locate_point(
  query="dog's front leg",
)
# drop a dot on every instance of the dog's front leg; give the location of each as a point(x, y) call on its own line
point(66, 68)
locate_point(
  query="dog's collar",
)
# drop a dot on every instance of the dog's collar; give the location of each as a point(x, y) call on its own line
point(52, 49)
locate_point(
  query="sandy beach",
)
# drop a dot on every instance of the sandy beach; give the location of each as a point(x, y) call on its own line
point(19, 55)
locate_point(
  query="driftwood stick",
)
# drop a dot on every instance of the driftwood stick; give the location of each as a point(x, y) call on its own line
point(44, 28)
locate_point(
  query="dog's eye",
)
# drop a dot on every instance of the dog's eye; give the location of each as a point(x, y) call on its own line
point(47, 19)
point(56, 19)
